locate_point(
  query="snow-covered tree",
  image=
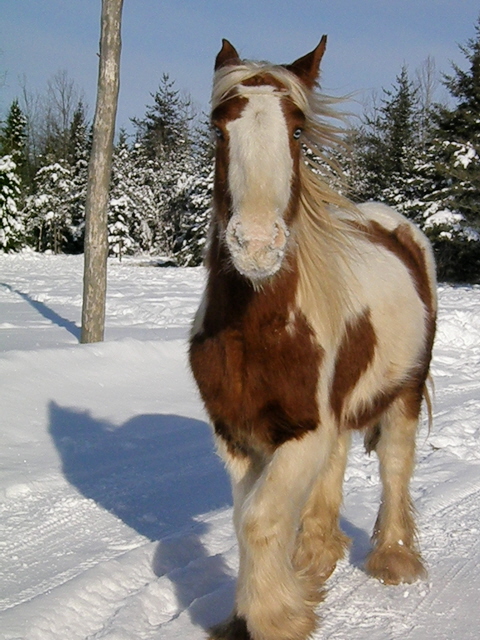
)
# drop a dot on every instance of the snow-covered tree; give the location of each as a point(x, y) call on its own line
point(133, 200)
point(48, 212)
point(168, 138)
point(459, 135)
point(79, 146)
point(452, 203)
point(130, 204)
point(165, 130)
point(11, 223)
point(120, 241)
point(13, 136)
point(387, 146)
point(192, 202)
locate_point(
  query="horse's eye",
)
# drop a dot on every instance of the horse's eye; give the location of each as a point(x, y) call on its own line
point(218, 133)
point(297, 133)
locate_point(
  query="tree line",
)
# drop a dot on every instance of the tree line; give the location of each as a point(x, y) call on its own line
point(407, 150)
point(161, 181)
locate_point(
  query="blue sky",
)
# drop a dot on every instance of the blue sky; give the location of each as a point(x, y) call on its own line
point(369, 41)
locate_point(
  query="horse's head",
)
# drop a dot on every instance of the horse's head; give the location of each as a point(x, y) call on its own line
point(258, 117)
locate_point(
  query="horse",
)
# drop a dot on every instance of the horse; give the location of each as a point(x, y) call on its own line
point(317, 319)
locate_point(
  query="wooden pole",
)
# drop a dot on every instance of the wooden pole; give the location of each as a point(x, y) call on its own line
point(99, 171)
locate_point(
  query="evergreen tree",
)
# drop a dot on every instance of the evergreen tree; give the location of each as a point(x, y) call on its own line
point(452, 215)
point(11, 223)
point(387, 147)
point(120, 241)
point(13, 143)
point(193, 197)
point(459, 135)
point(48, 213)
point(13, 135)
point(79, 146)
point(170, 141)
point(132, 214)
point(164, 132)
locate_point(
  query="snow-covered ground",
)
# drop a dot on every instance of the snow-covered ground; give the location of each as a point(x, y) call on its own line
point(115, 513)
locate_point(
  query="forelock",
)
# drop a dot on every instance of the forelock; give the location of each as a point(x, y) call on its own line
point(227, 79)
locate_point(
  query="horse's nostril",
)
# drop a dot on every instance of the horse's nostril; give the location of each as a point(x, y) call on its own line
point(280, 236)
point(235, 233)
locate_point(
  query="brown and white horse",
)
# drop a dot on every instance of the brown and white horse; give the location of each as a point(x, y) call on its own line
point(318, 318)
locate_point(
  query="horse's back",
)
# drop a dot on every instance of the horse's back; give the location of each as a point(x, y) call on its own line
point(390, 220)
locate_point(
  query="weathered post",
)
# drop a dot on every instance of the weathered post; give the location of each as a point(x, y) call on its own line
point(99, 170)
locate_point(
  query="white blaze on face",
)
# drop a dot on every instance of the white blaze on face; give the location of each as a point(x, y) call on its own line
point(260, 176)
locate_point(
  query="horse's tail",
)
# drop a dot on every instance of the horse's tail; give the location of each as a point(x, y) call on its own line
point(427, 396)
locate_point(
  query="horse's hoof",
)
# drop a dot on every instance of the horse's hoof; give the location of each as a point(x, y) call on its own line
point(234, 628)
point(394, 564)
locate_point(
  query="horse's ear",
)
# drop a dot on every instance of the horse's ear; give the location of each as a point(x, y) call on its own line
point(307, 68)
point(227, 56)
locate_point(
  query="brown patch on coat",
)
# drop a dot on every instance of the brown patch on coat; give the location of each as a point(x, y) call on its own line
point(262, 79)
point(226, 112)
point(402, 242)
point(256, 362)
point(411, 390)
point(354, 355)
point(411, 397)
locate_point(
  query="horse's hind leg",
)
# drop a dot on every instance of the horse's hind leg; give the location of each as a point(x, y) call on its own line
point(320, 542)
point(395, 557)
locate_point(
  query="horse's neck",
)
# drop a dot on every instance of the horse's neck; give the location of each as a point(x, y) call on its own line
point(233, 300)
point(325, 290)
point(315, 280)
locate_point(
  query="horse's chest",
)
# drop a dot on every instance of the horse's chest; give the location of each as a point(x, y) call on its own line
point(258, 379)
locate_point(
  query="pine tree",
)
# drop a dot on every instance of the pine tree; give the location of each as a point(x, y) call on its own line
point(13, 143)
point(453, 216)
point(132, 214)
point(459, 134)
point(48, 213)
point(168, 139)
point(164, 132)
point(13, 136)
point(388, 146)
point(193, 197)
point(79, 146)
point(11, 223)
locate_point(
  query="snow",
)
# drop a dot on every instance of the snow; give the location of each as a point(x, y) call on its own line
point(115, 511)
point(444, 216)
point(455, 221)
point(464, 155)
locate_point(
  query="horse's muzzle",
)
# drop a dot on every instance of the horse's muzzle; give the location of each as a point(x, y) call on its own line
point(257, 250)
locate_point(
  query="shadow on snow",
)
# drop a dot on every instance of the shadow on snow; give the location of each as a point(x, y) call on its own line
point(158, 474)
point(47, 312)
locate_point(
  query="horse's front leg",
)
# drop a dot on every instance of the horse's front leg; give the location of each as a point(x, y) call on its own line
point(321, 543)
point(244, 472)
point(273, 601)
